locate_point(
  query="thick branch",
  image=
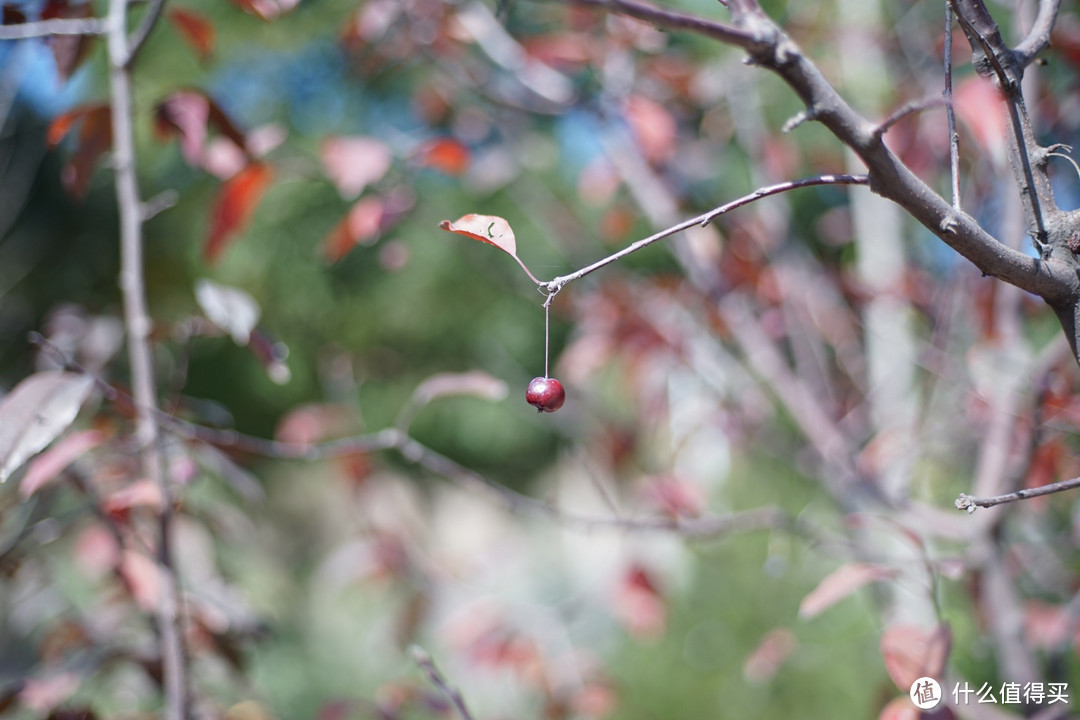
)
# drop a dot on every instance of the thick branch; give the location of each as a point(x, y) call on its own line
point(54, 27)
point(769, 47)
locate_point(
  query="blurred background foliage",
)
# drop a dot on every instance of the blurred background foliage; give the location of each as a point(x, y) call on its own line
point(322, 573)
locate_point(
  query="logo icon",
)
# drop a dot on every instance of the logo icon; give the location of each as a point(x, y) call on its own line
point(925, 693)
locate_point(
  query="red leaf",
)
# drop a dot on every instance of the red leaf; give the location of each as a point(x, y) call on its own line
point(654, 127)
point(775, 648)
point(69, 51)
point(143, 579)
point(141, 493)
point(191, 114)
point(639, 604)
point(979, 105)
point(195, 29)
point(95, 137)
point(234, 207)
point(675, 497)
point(353, 163)
point(911, 652)
point(840, 583)
point(41, 694)
point(489, 229)
point(359, 227)
point(445, 154)
point(52, 462)
point(266, 9)
point(308, 424)
point(899, 709)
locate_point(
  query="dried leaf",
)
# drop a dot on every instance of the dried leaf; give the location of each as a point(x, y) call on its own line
point(489, 229)
point(234, 207)
point(36, 412)
point(839, 584)
point(231, 309)
point(196, 29)
point(911, 652)
point(191, 114)
point(52, 462)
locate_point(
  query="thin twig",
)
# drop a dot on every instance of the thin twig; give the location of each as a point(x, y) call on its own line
point(970, 502)
point(142, 32)
point(700, 528)
point(950, 111)
point(982, 31)
point(671, 19)
point(553, 286)
point(138, 324)
point(424, 661)
point(906, 109)
point(54, 27)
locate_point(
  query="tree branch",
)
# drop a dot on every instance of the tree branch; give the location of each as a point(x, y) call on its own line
point(991, 53)
point(424, 661)
point(1038, 38)
point(770, 48)
point(138, 325)
point(670, 19)
point(970, 502)
point(146, 25)
point(53, 27)
point(553, 286)
point(950, 112)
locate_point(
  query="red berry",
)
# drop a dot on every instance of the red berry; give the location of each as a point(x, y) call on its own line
point(545, 394)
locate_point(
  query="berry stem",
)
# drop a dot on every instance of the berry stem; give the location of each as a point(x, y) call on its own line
point(547, 336)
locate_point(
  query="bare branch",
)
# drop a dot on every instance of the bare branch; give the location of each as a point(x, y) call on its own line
point(138, 325)
point(970, 502)
point(671, 19)
point(553, 286)
point(904, 110)
point(699, 528)
point(1038, 38)
point(771, 48)
point(54, 27)
point(424, 661)
point(766, 361)
point(950, 112)
point(990, 50)
point(146, 25)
